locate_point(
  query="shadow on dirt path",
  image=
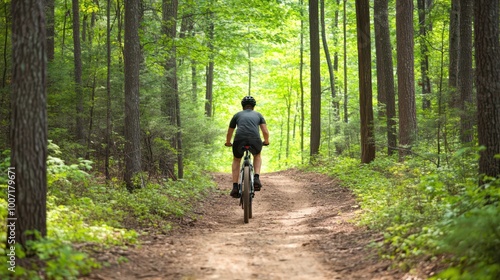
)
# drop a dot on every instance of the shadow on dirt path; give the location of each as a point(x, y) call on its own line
point(301, 229)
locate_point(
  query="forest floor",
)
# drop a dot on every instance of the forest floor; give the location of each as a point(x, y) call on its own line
point(302, 228)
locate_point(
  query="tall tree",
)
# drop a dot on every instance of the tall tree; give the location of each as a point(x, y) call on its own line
point(172, 94)
point(4, 93)
point(464, 73)
point(365, 80)
point(77, 59)
point(424, 26)
point(315, 78)
point(486, 34)
point(453, 66)
point(346, 116)
point(406, 76)
point(328, 57)
point(385, 76)
point(109, 128)
point(301, 80)
point(49, 24)
point(132, 58)
point(210, 66)
point(28, 121)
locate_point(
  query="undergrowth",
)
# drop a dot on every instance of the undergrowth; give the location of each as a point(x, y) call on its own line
point(427, 211)
point(83, 209)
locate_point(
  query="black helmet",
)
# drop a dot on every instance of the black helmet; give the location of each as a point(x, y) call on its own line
point(248, 100)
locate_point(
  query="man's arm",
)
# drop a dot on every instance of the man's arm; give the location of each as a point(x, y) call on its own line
point(229, 136)
point(265, 133)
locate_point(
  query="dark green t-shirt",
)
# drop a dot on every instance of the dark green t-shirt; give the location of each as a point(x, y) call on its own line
point(248, 122)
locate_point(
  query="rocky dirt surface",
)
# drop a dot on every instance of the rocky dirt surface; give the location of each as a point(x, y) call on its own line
point(301, 229)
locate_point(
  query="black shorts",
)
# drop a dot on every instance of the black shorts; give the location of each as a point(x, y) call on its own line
point(255, 147)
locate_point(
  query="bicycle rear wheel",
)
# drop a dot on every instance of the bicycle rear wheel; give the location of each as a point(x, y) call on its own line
point(246, 194)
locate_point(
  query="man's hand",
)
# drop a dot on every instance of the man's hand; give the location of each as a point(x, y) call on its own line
point(265, 143)
point(228, 144)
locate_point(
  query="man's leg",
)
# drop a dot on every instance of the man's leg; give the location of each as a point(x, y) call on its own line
point(235, 173)
point(257, 163)
point(236, 169)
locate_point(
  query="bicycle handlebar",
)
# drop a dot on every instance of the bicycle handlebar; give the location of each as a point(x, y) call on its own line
point(230, 144)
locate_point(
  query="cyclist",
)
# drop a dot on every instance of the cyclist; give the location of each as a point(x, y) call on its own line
point(248, 122)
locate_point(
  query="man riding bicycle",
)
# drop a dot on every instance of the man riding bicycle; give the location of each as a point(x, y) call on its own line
point(248, 122)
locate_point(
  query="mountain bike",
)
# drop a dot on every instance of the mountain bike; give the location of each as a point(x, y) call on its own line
point(245, 185)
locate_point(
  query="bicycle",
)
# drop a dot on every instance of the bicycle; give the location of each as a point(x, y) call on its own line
point(245, 185)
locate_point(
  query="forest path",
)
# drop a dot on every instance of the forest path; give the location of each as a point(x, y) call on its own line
point(300, 229)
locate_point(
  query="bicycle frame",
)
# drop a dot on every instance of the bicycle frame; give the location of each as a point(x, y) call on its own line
point(247, 161)
point(245, 186)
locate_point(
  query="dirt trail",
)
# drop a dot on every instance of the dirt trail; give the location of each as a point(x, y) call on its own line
point(300, 230)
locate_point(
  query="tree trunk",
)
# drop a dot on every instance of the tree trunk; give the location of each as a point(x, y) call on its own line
point(423, 8)
point(4, 92)
point(172, 94)
point(365, 81)
point(27, 188)
point(301, 81)
point(49, 24)
point(210, 68)
point(346, 116)
point(488, 87)
point(315, 79)
point(77, 56)
point(385, 76)
point(108, 91)
point(328, 58)
point(132, 129)
point(465, 78)
point(453, 66)
point(406, 76)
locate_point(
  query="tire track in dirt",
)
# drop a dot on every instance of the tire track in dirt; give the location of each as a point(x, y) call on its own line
point(300, 229)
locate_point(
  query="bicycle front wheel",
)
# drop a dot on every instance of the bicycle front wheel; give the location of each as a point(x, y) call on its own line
point(246, 194)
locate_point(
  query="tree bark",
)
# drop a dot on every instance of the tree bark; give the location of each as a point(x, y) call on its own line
point(315, 78)
point(486, 34)
point(385, 76)
point(465, 76)
point(210, 68)
point(346, 95)
point(453, 66)
point(424, 26)
point(77, 56)
point(28, 172)
point(49, 24)
point(132, 123)
point(108, 92)
point(406, 76)
point(365, 81)
point(328, 59)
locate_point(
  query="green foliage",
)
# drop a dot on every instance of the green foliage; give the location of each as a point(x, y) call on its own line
point(474, 239)
point(426, 211)
point(48, 259)
point(80, 209)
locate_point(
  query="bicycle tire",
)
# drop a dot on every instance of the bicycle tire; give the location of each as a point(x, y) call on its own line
point(246, 194)
point(250, 200)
